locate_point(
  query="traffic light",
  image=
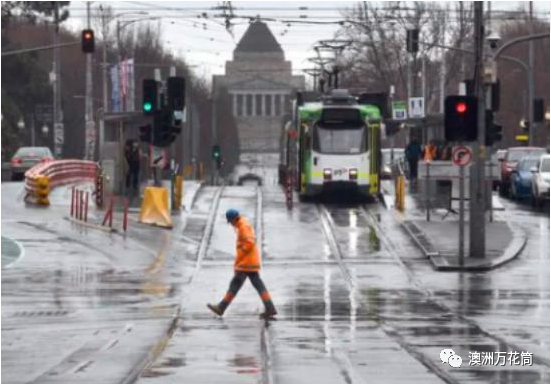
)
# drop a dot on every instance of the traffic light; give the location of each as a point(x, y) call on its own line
point(494, 132)
point(145, 133)
point(216, 152)
point(149, 104)
point(412, 40)
point(88, 44)
point(460, 118)
point(539, 112)
point(176, 89)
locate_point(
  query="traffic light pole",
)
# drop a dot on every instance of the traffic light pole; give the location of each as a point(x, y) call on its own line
point(477, 219)
point(89, 129)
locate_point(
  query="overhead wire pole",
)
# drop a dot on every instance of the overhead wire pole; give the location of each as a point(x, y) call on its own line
point(531, 130)
point(89, 136)
point(57, 111)
point(477, 209)
point(104, 81)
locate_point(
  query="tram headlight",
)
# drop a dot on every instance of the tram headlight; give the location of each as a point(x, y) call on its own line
point(327, 174)
point(353, 174)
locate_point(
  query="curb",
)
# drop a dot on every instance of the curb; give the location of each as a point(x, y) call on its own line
point(93, 226)
point(441, 263)
point(512, 251)
point(419, 238)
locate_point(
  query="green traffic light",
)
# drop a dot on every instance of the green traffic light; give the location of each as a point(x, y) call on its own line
point(147, 107)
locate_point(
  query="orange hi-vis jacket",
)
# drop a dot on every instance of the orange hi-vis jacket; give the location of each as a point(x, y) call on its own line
point(430, 153)
point(246, 259)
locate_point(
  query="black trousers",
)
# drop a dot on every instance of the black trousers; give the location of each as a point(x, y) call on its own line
point(413, 166)
point(132, 178)
point(238, 281)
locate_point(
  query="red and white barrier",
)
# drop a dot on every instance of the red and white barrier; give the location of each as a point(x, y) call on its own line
point(57, 172)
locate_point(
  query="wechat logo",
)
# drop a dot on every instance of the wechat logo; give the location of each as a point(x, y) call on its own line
point(449, 356)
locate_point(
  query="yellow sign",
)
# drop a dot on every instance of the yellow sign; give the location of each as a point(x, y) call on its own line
point(522, 137)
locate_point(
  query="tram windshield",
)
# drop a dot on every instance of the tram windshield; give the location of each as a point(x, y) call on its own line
point(337, 139)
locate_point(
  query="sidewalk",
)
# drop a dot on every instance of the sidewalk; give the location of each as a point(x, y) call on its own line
point(438, 238)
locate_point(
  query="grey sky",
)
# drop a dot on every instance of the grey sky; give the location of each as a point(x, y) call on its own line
point(206, 43)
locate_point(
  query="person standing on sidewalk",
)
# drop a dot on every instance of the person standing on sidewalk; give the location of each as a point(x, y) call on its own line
point(413, 154)
point(133, 156)
point(246, 265)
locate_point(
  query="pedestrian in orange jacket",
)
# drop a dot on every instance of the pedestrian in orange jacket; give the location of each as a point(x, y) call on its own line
point(247, 264)
point(430, 152)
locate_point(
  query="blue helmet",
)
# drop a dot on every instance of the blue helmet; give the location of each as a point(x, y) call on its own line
point(231, 214)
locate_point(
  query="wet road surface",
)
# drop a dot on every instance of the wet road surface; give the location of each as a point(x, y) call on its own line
point(357, 302)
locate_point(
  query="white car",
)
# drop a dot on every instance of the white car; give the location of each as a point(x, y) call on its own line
point(540, 184)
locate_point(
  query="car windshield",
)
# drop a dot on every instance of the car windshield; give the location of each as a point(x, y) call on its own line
point(527, 164)
point(339, 140)
point(545, 165)
point(517, 154)
point(32, 152)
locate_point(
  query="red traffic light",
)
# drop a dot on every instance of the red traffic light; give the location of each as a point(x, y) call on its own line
point(87, 41)
point(461, 107)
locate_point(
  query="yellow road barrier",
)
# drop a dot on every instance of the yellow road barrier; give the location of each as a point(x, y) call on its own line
point(154, 209)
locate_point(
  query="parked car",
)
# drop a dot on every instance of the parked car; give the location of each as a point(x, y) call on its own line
point(390, 156)
point(540, 183)
point(26, 158)
point(510, 161)
point(521, 178)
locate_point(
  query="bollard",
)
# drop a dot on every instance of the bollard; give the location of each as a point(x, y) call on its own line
point(86, 207)
point(125, 215)
point(99, 189)
point(81, 202)
point(77, 194)
point(111, 203)
point(72, 201)
point(178, 193)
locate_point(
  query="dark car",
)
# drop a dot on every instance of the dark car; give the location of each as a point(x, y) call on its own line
point(27, 157)
point(521, 178)
point(510, 161)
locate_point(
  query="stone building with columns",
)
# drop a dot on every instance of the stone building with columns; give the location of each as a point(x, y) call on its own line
point(261, 84)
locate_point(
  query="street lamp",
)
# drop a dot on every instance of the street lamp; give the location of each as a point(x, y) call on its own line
point(45, 129)
point(21, 124)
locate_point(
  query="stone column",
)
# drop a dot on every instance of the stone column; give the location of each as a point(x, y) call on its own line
point(254, 105)
point(234, 100)
point(273, 104)
point(263, 98)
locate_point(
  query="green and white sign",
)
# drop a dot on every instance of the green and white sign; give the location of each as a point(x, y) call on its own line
point(399, 110)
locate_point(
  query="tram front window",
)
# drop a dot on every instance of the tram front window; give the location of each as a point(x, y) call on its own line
point(339, 140)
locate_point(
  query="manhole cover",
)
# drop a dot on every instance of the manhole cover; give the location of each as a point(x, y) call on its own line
point(11, 251)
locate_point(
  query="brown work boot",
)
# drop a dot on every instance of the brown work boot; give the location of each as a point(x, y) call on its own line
point(268, 314)
point(216, 309)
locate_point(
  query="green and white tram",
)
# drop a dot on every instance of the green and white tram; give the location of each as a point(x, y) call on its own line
point(333, 145)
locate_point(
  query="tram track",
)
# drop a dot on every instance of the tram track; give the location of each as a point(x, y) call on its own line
point(343, 359)
point(392, 329)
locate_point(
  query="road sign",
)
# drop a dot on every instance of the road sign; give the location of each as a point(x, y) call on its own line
point(399, 110)
point(461, 155)
point(522, 137)
point(416, 107)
